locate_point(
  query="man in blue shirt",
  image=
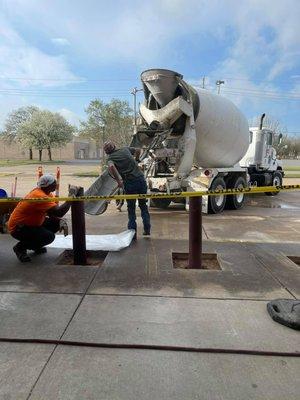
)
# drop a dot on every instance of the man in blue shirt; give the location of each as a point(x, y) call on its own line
point(123, 162)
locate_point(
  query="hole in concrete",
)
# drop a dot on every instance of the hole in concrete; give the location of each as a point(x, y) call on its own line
point(295, 259)
point(94, 257)
point(209, 261)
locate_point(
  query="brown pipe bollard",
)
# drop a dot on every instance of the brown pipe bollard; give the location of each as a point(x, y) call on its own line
point(78, 230)
point(195, 232)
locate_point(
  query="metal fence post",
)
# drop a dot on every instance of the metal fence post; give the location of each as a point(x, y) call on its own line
point(78, 231)
point(195, 232)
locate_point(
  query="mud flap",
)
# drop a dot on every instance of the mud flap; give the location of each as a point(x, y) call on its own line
point(285, 312)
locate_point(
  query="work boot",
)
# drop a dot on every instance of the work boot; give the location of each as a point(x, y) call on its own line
point(21, 253)
point(146, 232)
point(41, 250)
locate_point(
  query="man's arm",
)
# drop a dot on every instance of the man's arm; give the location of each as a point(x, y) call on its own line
point(60, 211)
point(114, 172)
point(136, 152)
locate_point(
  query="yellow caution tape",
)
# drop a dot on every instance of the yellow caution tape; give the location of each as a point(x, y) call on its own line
point(158, 195)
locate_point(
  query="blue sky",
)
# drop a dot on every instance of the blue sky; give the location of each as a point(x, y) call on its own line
point(60, 54)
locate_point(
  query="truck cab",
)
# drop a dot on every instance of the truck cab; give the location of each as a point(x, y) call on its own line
point(264, 169)
point(261, 154)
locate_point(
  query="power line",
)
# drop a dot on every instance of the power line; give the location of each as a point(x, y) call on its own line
point(50, 91)
point(99, 95)
point(79, 80)
point(264, 91)
point(292, 81)
point(125, 91)
point(261, 95)
point(83, 80)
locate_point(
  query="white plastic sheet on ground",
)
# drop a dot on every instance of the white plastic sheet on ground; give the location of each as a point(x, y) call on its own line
point(114, 242)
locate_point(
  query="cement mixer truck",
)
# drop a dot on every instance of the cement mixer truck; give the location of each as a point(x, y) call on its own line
point(195, 140)
point(198, 140)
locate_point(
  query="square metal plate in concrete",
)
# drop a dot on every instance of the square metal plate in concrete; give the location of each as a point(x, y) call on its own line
point(114, 374)
point(230, 324)
point(20, 367)
point(38, 316)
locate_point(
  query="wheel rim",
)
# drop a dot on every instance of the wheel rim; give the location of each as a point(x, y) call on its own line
point(276, 181)
point(240, 196)
point(219, 199)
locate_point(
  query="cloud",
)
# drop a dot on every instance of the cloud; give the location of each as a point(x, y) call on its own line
point(255, 33)
point(70, 116)
point(28, 64)
point(259, 39)
point(138, 32)
point(60, 41)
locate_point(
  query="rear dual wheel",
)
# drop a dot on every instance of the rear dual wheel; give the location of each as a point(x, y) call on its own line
point(236, 201)
point(216, 204)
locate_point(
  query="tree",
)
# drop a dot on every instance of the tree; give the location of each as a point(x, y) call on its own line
point(107, 121)
point(46, 130)
point(15, 119)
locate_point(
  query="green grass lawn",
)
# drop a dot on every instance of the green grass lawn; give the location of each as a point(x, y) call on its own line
point(87, 174)
point(291, 175)
point(13, 163)
point(291, 168)
point(2, 174)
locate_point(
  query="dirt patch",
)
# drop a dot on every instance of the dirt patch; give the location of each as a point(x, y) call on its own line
point(94, 258)
point(209, 261)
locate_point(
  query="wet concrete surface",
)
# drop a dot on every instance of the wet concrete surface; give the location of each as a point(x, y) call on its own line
point(146, 268)
point(42, 275)
point(137, 297)
point(33, 315)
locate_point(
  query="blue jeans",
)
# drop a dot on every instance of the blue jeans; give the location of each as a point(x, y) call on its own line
point(137, 186)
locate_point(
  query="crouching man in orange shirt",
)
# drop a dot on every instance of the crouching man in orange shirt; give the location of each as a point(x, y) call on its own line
point(34, 224)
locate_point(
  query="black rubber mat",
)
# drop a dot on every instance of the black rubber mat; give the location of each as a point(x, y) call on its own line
point(286, 312)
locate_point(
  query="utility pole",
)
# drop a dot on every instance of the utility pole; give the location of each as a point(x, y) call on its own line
point(134, 92)
point(103, 141)
point(219, 83)
point(203, 82)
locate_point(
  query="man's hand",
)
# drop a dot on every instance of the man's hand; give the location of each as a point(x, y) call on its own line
point(63, 227)
point(120, 184)
point(73, 191)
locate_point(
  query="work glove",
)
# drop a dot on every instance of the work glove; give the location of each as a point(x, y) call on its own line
point(73, 191)
point(63, 227)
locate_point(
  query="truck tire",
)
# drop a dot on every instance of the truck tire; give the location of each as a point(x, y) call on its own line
point(160, 203)
point(276, 181)
point(236, 201)
point(216, 204)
